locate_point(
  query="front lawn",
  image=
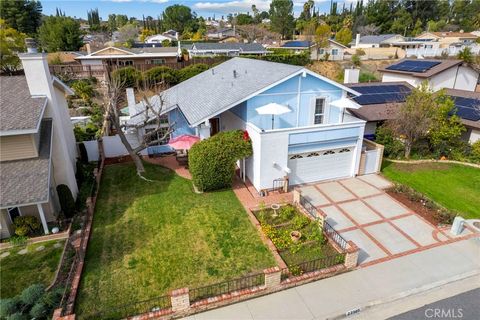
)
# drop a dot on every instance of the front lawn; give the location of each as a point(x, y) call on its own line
point(150, 237)
point(19, 271)
point(456, 187)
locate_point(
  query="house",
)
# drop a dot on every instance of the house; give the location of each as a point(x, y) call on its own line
point(467, 105)
point(131, 56)
point(445, 39)
point(334, 50)
point(159, 38)
point(37, 145)
point(220, 34)
point(375, 41)
point(297, 46)
point(318, 139)
point(452, 74)
point(380, 101)
point(199, 49)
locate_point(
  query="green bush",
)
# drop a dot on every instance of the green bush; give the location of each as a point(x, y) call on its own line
point(212, 161)
point(356, 60)
point(32, 294)
point(191, 71)
point(127, 77)
point(80, 174)
point(159, 74)
point(393, 147)
point(39, 310)
point(26, 225)
point(301, 59)
point(18, 316)
point(8, 307)
point(83, 89)
point(67, 203)
point(476, 151)
point(83, 153)
point(367, 77)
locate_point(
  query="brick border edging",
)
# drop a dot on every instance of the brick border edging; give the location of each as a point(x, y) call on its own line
point(60, 264)
point(469, 164)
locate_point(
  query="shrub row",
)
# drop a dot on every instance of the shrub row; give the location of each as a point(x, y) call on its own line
point(131, 77)
point(212, 161)
point(301, 59)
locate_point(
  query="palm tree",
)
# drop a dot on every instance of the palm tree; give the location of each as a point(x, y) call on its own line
point(466, 55)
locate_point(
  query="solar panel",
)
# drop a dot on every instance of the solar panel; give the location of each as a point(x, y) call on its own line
point(419, 66)
point(465, 108)
point(376, 94)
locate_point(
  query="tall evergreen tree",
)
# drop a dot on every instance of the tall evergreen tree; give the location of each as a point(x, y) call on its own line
point(22, 15)
point(281, 16)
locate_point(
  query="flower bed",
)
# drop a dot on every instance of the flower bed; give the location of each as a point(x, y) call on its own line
point(278, 225)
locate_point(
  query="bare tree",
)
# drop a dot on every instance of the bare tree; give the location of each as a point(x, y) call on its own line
point(151, 116)
point(368, 30)
point(253, 32)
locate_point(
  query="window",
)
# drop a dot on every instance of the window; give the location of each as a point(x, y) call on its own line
point(319, 113)
point(321, 51)
point(125, 63)
point(164, 127)
point(13, 213)
point(158, 61)
point(334, 52)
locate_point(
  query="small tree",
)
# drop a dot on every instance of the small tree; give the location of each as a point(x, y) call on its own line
point(344, 36)
point(65, 197)
point(12, 42)
point(466, 55)
point(322, 34)
point(415, 117)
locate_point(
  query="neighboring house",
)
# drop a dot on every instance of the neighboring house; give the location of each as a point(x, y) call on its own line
point(452, 74)
point(297, 46)
point(335, 51)
point(317, 140)
point(131, 56)
point(376, 41)
point(37, 145)
point(159, 38)
point(221, 34)
point(380, 101)
point(199, 49)
point(467, 106)
point(445, 39)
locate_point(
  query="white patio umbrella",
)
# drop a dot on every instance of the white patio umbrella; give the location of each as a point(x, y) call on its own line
point(345, 103)
point(273, 109)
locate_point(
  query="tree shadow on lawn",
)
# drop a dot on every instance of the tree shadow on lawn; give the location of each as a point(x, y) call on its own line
point(140, 248)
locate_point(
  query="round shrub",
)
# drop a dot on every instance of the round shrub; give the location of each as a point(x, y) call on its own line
point(159, 74)
point(8, 307)
point(127, 77)
point(39, 310)
point(26, 225)
point(191, 71)
point(32, 294)
point(212, 161)
point(67, 203)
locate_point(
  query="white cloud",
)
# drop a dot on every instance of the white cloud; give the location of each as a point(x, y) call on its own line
point(232, 6)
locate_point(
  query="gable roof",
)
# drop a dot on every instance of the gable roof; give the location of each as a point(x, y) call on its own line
point(242, 47)
point(450, 35)
point(229, 84)
point(133, 53)
point(454, 93)
point(19, 111)
point(442, 66)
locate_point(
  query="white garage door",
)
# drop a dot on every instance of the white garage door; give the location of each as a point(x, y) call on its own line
point(320, 165)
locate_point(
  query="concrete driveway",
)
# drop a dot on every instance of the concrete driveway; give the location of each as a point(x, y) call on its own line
point(383, 228)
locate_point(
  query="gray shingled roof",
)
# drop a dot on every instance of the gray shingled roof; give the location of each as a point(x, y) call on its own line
point(376, 39)
point(26, 181)
point(213, 90)
point(18, 110)
point(243, 47)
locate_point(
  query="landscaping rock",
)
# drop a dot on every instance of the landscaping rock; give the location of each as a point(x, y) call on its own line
point(57, 245)
point(5, 254)
point(40, 248)
point(23, 251)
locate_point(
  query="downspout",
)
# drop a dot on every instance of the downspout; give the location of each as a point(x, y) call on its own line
point(456, 75)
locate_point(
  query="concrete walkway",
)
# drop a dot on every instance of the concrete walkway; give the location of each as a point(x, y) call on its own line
point(361, 288)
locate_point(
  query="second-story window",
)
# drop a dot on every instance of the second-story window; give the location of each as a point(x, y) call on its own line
point(319, 113)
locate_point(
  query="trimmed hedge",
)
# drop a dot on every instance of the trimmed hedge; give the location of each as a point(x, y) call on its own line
point(161, 73)
point(65, 197)
point(212, 161)
point(301, 59)
point(128, 77)
point(191, 71)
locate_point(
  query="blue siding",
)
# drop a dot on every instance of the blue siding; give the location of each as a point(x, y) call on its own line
point(181, 125)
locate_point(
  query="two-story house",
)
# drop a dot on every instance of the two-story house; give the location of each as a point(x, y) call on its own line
point(37, 145)
point(315, 139)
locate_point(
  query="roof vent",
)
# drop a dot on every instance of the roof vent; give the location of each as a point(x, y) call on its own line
point(234, 73)
point(213, 71)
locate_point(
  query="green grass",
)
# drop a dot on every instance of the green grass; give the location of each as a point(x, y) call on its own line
point(150, 237)
point(456, 187)
point(18, 272)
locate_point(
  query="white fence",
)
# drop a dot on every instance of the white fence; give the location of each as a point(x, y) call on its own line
point(112, 146)
point(437, 52)
point(92, 150)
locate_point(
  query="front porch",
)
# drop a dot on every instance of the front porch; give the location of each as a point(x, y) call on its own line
point(42, 211)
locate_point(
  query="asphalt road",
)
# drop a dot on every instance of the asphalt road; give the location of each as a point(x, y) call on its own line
point(465, 306)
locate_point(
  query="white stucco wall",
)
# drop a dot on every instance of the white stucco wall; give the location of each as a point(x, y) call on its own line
point(394, 77)
point(474, 136)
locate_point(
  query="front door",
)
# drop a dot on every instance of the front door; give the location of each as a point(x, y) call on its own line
point(214, 126)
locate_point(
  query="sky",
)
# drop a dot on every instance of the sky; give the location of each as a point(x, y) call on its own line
point(137, 8)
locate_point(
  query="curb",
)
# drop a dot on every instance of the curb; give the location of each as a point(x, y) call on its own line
point(404, 294)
